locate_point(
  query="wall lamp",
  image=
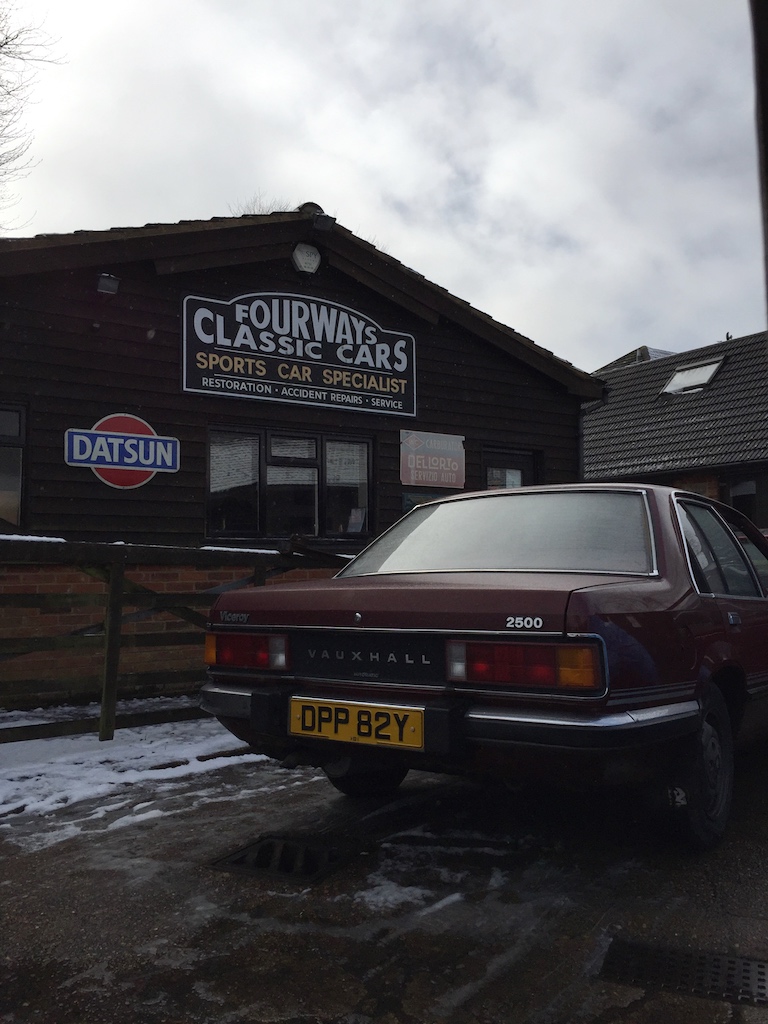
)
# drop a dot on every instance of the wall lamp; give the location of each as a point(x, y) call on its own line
point(321, 221)
point(107, 284)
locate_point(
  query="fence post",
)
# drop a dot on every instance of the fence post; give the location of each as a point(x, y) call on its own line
point(112, 622)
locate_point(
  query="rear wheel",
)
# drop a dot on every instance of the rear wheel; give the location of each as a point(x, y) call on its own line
point(702, 789)
point(355, 781)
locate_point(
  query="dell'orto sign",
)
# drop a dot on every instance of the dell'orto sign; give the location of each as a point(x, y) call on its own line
point(122, 450)
point(294, 348)
point(434, 460)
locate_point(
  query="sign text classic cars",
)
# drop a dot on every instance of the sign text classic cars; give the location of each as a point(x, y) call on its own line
point(299, 349)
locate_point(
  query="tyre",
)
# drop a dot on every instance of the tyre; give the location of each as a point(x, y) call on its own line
point(702, 788)
point(359, 782)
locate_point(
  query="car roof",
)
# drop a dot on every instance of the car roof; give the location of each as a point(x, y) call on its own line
point(661, 490)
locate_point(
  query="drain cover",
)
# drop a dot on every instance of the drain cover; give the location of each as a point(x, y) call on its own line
point(732, 979)
point(305, 858)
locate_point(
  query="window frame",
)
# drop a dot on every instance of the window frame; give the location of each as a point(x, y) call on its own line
point(713, 365)
point(700, 581)
point(526, 462)
point(318, 462)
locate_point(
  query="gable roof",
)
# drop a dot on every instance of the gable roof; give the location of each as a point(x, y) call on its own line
point(229, 241)
point(640, 429)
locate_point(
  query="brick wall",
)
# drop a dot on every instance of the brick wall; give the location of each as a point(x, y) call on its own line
point(75, 675)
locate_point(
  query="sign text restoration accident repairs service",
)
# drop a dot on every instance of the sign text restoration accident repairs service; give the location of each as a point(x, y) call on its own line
point(294, 348)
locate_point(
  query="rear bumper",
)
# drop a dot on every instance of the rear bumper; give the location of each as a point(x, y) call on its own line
point(454, 729)
point(610, 730)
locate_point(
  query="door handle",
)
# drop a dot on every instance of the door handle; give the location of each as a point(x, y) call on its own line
point(734, 619)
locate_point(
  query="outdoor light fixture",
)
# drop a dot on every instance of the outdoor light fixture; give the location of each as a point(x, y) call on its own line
point(305, 258)
point(107, 284)
point(323, 222)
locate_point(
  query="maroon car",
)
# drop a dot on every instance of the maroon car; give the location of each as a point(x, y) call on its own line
point(599, 633)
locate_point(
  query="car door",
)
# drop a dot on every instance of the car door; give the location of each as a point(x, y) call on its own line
point(724, 573)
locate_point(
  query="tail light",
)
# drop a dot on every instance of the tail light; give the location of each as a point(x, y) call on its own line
point(247, 650)
point(532, 666)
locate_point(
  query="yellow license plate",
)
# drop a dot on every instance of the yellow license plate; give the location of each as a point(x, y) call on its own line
point(348, 721)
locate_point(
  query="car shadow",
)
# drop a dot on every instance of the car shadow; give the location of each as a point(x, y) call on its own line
point(534, 820)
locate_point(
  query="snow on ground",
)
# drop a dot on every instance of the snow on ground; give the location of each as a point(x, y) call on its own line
point(40, 776)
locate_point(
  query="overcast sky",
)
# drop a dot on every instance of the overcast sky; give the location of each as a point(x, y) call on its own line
point(584, 172)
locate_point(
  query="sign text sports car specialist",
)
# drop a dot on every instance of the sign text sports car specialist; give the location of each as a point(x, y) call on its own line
point(295, 348)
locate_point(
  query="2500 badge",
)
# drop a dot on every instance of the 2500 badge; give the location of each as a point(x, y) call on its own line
point(524, 622)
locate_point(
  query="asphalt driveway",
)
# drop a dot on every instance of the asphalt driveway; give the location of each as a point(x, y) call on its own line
point(451, 904)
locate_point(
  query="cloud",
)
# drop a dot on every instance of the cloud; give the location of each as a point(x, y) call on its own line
point(585, 173)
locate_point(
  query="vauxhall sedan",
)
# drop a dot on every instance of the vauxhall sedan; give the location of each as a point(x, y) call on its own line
point(590, 633)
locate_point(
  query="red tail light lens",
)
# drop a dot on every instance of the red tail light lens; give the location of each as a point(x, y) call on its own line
point(246, 650)
point(533, 666)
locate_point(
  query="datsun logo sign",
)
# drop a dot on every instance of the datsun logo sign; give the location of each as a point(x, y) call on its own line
point(122, 450)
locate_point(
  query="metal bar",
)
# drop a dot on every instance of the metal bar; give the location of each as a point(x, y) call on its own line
point(79, 726)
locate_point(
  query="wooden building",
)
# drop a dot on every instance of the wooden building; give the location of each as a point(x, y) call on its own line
point(247, 380)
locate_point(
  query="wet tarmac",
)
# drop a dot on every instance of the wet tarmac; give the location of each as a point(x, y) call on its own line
point(451, 904)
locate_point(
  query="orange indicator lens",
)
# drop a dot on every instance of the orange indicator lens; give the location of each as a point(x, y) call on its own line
point(539, 666)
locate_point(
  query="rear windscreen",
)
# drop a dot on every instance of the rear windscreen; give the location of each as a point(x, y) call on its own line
point(580, 531)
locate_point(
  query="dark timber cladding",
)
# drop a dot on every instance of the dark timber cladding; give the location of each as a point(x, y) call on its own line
point(251, 379)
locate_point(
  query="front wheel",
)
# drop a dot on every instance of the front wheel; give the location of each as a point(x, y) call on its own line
point(702, 788)
point(355, 781)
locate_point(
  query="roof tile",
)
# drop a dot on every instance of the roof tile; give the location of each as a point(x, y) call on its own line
point(637, 429)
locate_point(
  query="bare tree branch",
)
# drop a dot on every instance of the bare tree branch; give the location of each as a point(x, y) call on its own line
point(23, 48)
point(258, 205)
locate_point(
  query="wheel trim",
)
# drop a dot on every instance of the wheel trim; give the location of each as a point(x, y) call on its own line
point(714, 777)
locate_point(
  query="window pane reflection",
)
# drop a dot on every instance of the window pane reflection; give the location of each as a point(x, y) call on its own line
point(293, 448)
point(291, 501)
point(346, 474)
point(498, 479)
point(233, 502)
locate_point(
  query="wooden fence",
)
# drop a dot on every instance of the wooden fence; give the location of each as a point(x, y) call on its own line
point(124, 615)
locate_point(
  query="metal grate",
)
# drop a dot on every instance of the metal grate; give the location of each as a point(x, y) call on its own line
point(302, 857)
point(732, 979)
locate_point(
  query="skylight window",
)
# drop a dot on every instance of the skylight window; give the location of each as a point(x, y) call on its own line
point(691, 378)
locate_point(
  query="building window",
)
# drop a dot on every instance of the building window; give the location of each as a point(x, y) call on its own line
point(346, 487)
point(503, 469)
point(743, 496)
point(691, 378)
point(233, 484)
point(12, 428)
point(273, 484)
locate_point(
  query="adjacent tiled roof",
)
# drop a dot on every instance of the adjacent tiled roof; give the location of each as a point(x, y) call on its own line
point(637, 429)
point(637, 355)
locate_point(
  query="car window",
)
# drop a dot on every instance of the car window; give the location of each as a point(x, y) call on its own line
point(576, 531)
point(757, 558)
point(717, 559)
